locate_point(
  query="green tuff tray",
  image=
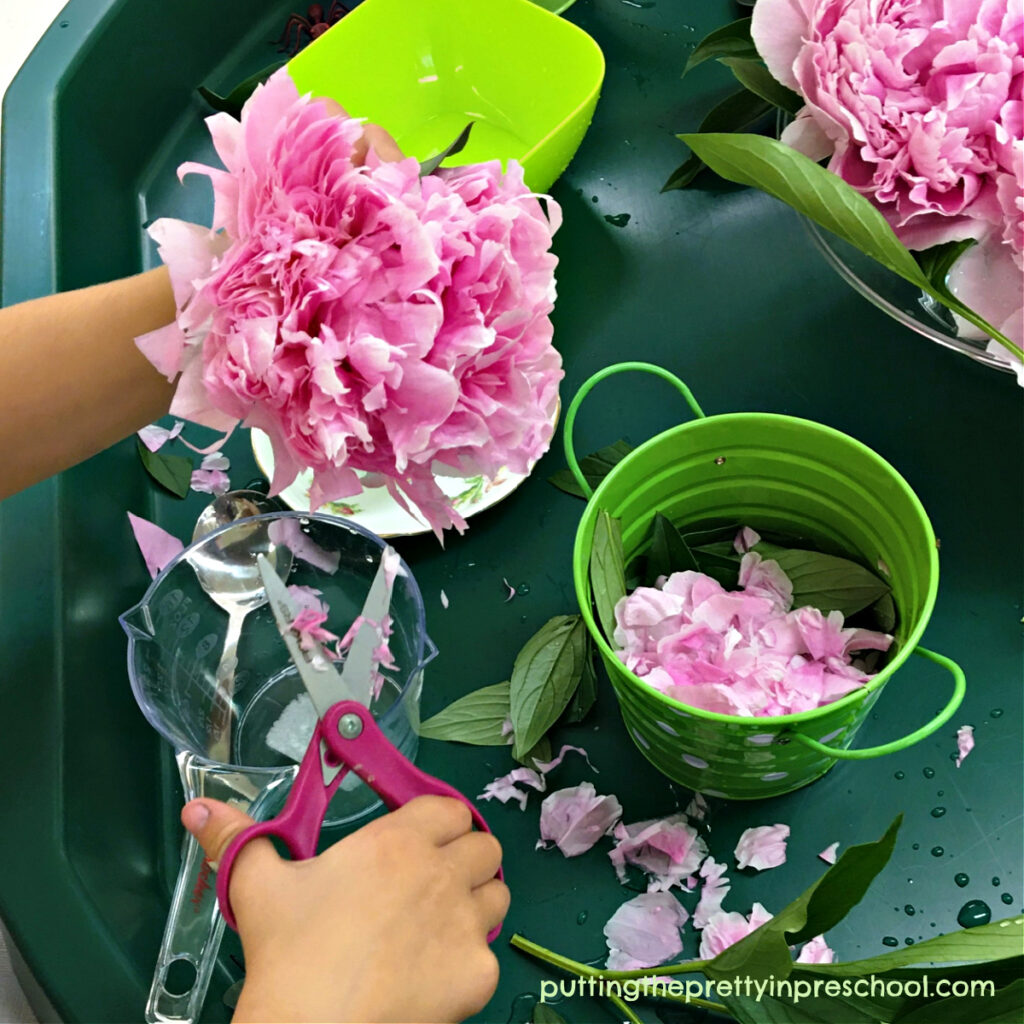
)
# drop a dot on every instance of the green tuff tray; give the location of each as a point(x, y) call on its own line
point(719, 285)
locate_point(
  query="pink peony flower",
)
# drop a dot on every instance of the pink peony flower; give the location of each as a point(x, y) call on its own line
point(918, 106)
point(364, 318)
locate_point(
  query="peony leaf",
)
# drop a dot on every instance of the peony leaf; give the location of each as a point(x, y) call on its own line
point(607, 570)
point(732, 40)
point(735, 113)
point(826, 199)
point(545, 675)
point(765, 951)
point(476, 718)
point(540, 751)
point(586, 692)
point(752, 74)
point(668, 552)
point(171, 471)
point(826, 582)
point(431, 165)
point(595, 467)
point(937, 262)
point(235, 100)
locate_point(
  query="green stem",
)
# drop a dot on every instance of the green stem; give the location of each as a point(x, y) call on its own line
point(556, 960)
point(625, 1010)
point(970, 316)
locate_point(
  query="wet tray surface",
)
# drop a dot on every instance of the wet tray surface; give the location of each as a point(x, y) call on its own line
point(720, 285)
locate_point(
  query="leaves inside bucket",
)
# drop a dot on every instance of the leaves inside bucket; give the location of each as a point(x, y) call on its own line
point(607, 571)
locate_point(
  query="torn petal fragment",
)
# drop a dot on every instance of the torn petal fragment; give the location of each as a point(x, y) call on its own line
point(575, 819)
point(816, 951)
point(669, 849)
point(964, 742)
point(158, 547)
point(716, 887)
point(828, 855)
point(762, 847)
point(726, 928)
point(644, 932)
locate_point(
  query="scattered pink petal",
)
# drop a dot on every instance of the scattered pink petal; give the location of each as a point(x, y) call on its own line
point(546, 766)
point(210, 481)
point(444, 600)
point(716, 887)
point(154, 437)
point(511, 590)
point(288, 531)
point(816, 951)
point(215, 460)
point(575, 818)
point(504, 787)
point(697, 808)
point(645, 932)
point(762, 847)
point(668, 849)
point(828, 855)
point(158, 547)
point(745, 540)
point(725, 928)
point(964, 742)
point(309, 624)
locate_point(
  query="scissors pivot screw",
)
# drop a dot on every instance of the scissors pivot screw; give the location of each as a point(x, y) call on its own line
point(350, 726)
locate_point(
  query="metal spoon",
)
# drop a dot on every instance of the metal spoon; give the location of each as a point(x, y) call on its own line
point(228, 572)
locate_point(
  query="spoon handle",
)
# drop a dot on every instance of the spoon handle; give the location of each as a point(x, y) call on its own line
point(221, 714)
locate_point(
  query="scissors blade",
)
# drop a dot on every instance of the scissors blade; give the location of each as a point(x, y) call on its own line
point(357, 672)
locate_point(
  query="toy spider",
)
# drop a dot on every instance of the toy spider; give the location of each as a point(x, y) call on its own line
point(315, 24)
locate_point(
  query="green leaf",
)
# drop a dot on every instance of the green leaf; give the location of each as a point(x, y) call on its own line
point(752, 74)
point(171, 471)
point(431, 165)
point(937, 262)
point(668, 552)
point(714, 535)
point(586, 692)
point(826, 199)
point(235, 100)
point(735, 113)
point(765, 951)
point(543, 1014)
point(545, 676)
point(607, 570)
point(826, 582)
point(883, 611)
point(1004, 1006)
point(540, 751)
point(595, 467)
point(476, 718)
point(732, 40)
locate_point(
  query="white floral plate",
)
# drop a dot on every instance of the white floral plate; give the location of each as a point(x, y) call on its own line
point(375, 509)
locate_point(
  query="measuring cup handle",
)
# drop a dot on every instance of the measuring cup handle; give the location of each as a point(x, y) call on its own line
point(959, 688)
point(585, 388)
point(387, 771)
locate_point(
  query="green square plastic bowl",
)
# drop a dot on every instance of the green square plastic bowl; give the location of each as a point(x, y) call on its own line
point(422, 69)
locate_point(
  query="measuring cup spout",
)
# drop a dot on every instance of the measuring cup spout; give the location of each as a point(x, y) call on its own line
point(138, 623)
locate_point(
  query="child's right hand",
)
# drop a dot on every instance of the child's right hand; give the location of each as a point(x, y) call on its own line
point(389, 924)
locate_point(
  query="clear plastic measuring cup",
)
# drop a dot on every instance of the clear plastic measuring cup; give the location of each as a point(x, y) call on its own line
point(175, 639)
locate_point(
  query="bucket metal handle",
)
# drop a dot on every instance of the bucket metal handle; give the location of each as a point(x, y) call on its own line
point(959, 686)
point(570, 416)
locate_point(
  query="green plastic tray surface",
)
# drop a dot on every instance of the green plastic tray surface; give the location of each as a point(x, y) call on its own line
point(720, 285)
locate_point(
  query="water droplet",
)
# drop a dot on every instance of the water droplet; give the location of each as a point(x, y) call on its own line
point(916, 846)
point(720, 460)
point(890, 940)
point(996, 713)
point(909, 941)
point(593, 199)
point(961, 879)
point(929, 773)
point(938, 812)
point(900, 775)
point(996, 882)
point(581, 917)
point(909, 910)
point(937, 851)
point(941, 792)
point(617, 220)
point(973, 913)
point(1006, 898)
point(523, 589)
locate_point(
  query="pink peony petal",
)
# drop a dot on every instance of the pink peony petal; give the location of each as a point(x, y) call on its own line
point(726, 928)
point(964, 742)
point(668, 849)
point(289, 532)
point(210, 481)
point(546, 766)
point(504, 787)
point(575, 819)
point(745, 540)
point(158, 547)
point(645, 932)
point(716, 887)
point(762, 847)
point(816, 951)
point(828, 855)
point(155, 437)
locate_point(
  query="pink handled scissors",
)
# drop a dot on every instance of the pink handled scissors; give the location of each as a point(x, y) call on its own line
point(347, 738)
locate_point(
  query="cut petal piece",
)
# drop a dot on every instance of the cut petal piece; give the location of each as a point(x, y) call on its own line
point(964, 742)
point(816, 951)
point(158, 547)
point(762, 847)
point(645, 932)
point(575, 819)
point(828, 855)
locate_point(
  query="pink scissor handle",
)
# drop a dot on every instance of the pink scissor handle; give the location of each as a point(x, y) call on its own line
point(360, 745)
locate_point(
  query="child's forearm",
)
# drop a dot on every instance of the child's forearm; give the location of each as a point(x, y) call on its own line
point(72, 381)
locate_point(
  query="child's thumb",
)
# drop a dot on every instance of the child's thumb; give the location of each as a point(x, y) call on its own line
point(214, 824)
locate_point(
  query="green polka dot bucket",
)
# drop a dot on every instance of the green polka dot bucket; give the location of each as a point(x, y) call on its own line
point(773, 473)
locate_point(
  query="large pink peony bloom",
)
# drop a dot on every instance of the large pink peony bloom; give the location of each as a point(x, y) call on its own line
point(365, 318)
point(918, 105)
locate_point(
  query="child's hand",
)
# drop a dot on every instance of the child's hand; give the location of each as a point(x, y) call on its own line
point(389, 924)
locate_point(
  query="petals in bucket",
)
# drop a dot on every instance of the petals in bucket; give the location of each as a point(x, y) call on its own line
point(828, 855)
point(575, 819)
point(816, 951)
point(762, 847)
point(964, 742)
point(158, 547)
point(288, 531)
point(745, 540)
point(716, 887)
point(668, 849)
point(726, 928)
point(645, 932)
